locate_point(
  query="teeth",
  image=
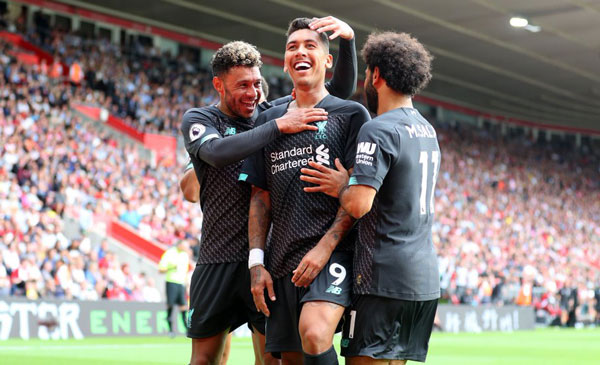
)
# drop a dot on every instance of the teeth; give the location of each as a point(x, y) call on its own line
point(302, 65)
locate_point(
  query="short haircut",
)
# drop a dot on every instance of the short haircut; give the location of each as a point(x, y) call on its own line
point(303, 23)
point(234, 54)
point(403, 62)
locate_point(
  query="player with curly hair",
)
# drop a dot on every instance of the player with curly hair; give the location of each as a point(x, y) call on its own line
point(396, 279)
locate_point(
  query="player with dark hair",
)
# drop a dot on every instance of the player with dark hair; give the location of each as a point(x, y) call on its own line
point(396, 279)
point(308, 255)
point(217, 138)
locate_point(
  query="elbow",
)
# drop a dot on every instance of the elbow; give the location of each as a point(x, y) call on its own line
point(357, 209)
point(191, 195)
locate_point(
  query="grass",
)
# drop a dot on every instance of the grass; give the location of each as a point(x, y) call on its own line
point(542, 346)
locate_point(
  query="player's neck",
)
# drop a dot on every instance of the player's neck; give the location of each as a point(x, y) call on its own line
point(390, 100)
point(308, 97)
point(224, 109)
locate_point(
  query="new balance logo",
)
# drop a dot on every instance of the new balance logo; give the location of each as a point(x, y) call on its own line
point(230, 131)
point(323, 155)
point(334, 290)
point(367, 148)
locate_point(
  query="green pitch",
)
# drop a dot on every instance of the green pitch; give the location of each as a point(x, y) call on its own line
point(543, 347)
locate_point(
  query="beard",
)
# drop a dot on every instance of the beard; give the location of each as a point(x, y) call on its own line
point(371, 96)
point(234, 106)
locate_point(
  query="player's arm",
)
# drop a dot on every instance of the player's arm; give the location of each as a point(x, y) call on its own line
point(345, 73)
point(356, 200)
point(259, 220)
point(313, 262)
point(356, 190)
point(204, 142)
point(189, 185)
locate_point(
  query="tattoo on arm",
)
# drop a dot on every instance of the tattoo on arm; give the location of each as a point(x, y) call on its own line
point(341, 225)
point(342, 191)
point(259, 218)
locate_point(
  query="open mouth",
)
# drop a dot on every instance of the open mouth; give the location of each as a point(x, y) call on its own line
point(302, 66)
point(249, 105)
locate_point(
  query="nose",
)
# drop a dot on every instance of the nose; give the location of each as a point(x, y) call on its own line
point(301, 51)
point(252, 92)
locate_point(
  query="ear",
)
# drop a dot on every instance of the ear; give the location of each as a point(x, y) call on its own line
point(329, 61)
point(218, 84)
point(285, 69)
point(376, 77)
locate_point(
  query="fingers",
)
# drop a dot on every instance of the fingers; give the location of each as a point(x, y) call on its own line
point(327, 28)
point(314, 112)
point(312, 180)
point(322, 22)
point(313, 118)
point(311, 172)
point(306, 277)
point(335, 34)
point(303, 274)
point(261, 305)
point(298, 272)
point(270, 290)
point(318, 166)
point(308, 127)
point(314, 189)
point(339, 165)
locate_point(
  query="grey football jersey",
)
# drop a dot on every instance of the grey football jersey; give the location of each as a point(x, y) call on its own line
point(398, 155)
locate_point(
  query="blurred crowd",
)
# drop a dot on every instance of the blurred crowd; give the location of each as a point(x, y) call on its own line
point(148, 88)
point(517, 221)
point(51, 161)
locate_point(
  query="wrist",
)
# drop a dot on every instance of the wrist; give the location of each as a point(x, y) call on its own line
point(279, 124)
point(256, 257)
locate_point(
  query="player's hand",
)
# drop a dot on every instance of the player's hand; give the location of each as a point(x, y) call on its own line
point(311, 265)
point(332, 24)
point(297, 120)
point(259, 280)
point(328, 181)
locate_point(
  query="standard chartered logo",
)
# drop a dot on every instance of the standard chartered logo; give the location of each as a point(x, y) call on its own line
point(298, 157)
point(323, 155)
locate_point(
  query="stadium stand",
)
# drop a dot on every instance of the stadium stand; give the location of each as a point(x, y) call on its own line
point(514, 223)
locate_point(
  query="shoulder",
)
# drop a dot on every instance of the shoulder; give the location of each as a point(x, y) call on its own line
point(378, 128)
point(333, 103)
point(203, 115)
point(282, 100)
point(270, 114)
point(357, 112)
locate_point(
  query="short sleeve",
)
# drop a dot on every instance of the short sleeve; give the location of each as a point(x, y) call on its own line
point(189, 165)
point(375, 151)
point(197, 128)
point(359, 118)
